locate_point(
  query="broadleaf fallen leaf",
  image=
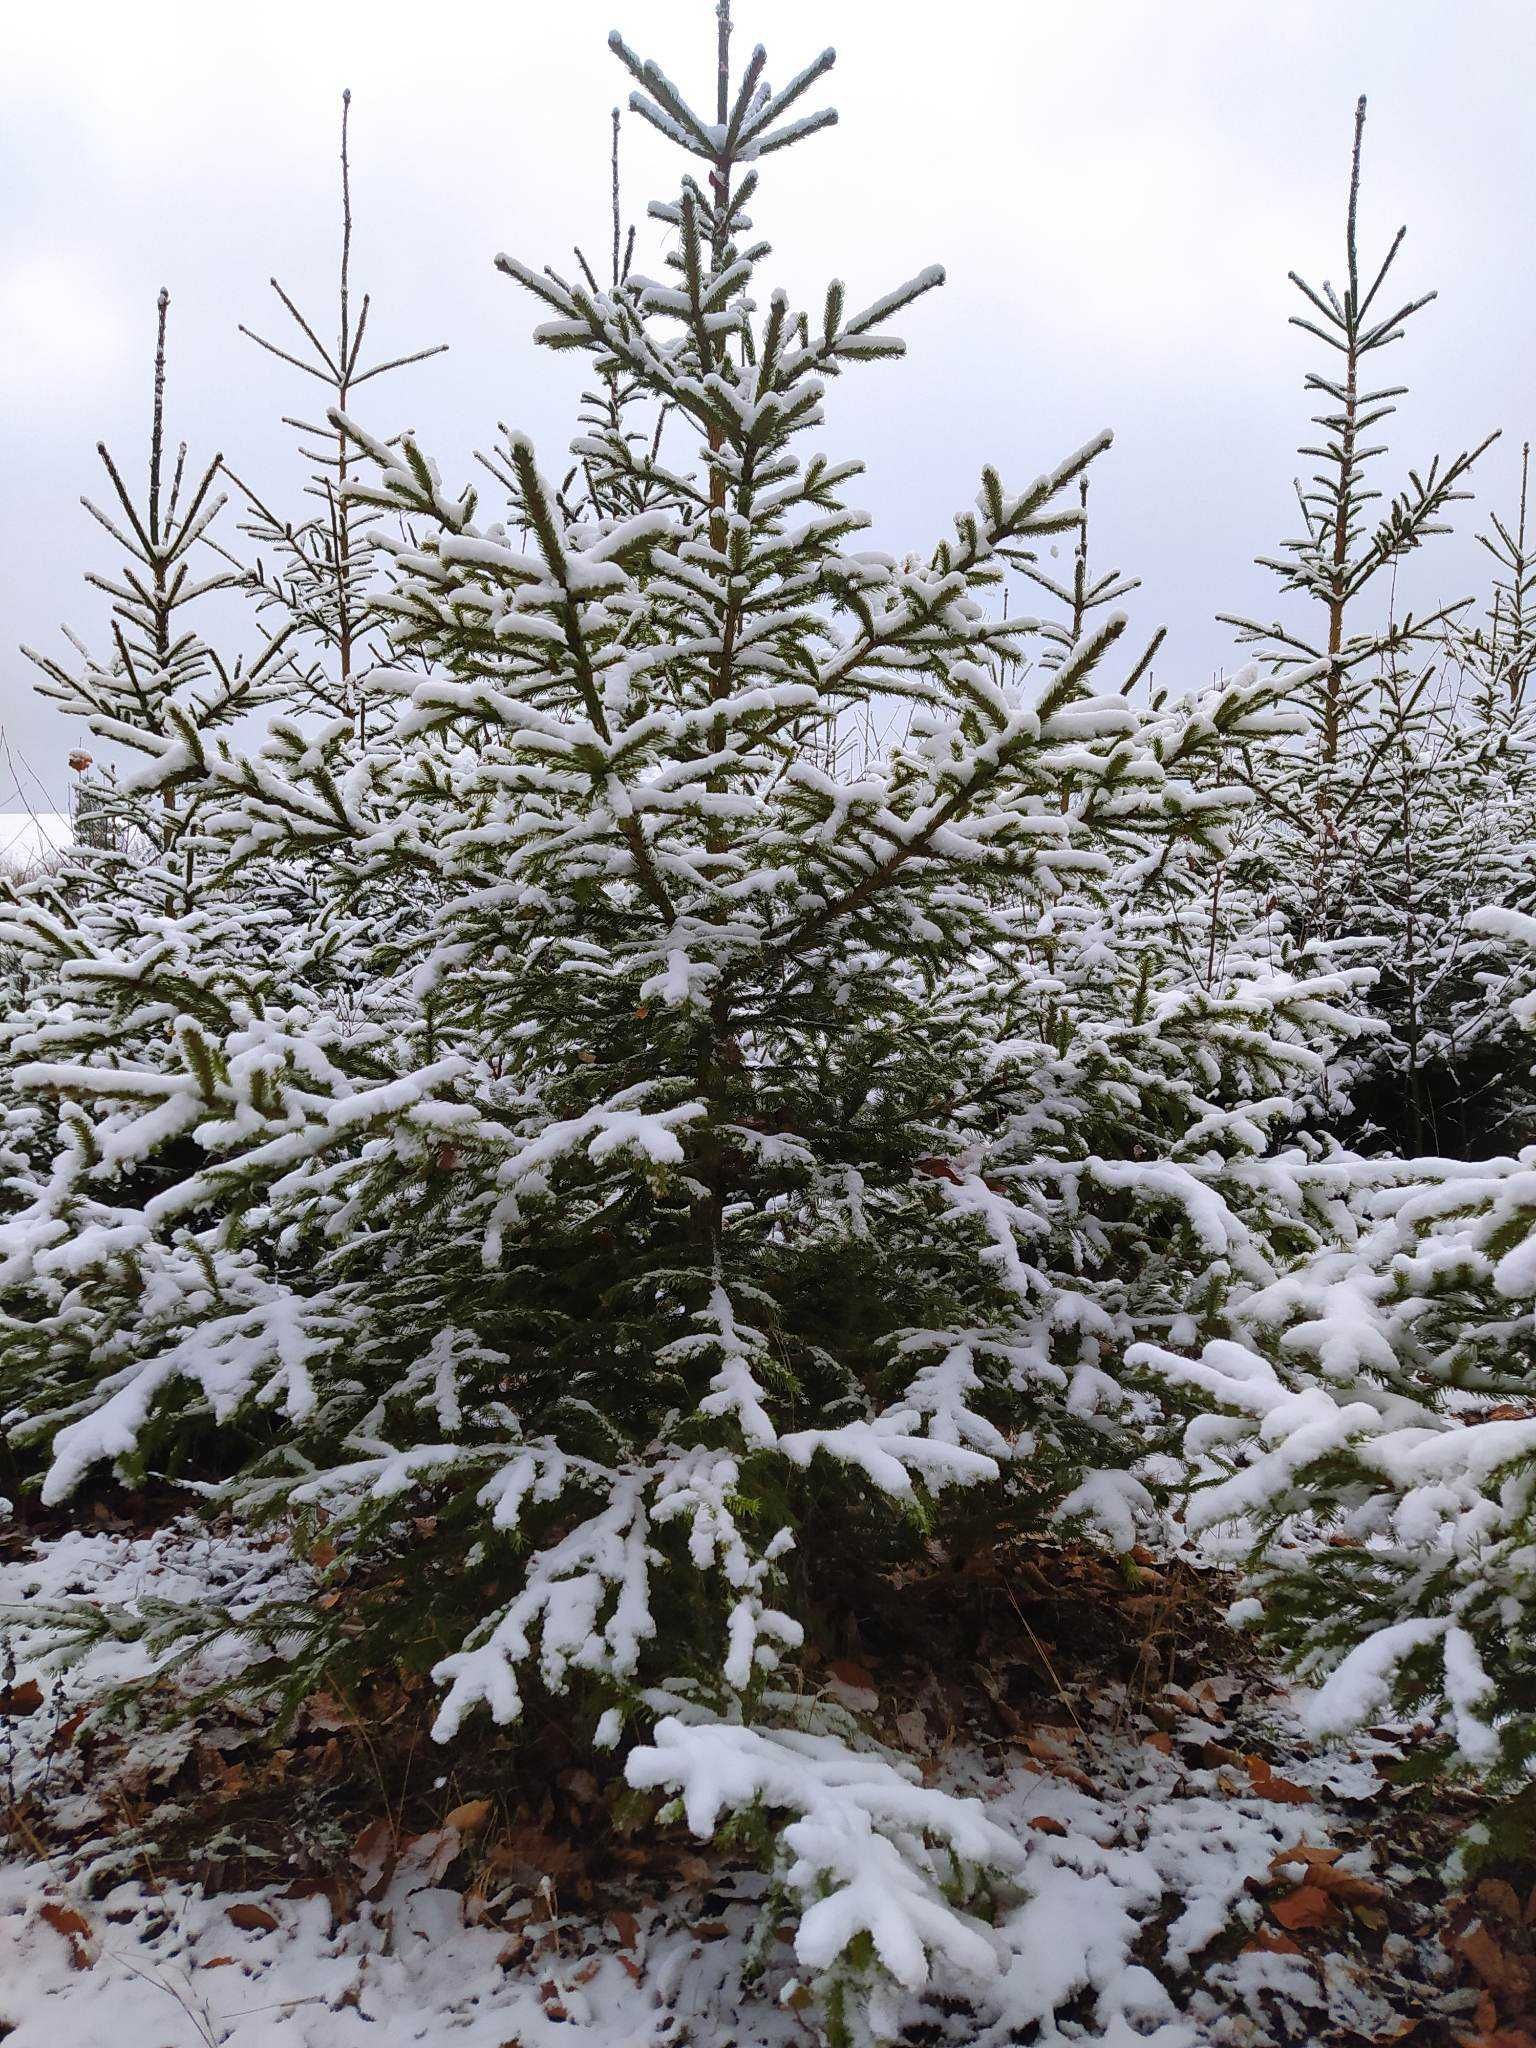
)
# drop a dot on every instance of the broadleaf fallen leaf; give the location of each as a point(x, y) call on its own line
point(1307, 1906)
point(252, 1918)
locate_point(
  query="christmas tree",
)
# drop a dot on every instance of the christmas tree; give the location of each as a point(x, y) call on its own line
point(735, 1076)
point(1375, 825)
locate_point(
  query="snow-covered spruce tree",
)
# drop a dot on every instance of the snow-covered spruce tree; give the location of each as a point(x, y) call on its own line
point(1379, 1397)
point(1446, 833)
point(1379, 1434)
point(1483, 974)
point(1503, 645)
point(317, 573)
point(108, 954)
point(158, 666)
point(315, 577)
point(147, 945)
point(1361, 822)
point(737, 1151)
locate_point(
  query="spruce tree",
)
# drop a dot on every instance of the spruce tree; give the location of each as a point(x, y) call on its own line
point(1492, 792)
point(1378, 1437)
point(317, 573)
point(1355, 836)
point(1379, 1440)
point(747, 1137)
point(122, 957)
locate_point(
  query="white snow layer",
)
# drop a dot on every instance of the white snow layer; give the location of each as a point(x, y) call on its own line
point(1130, 1862)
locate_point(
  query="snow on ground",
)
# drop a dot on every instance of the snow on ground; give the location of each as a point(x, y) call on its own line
point(1159, 1836)
point(178, 1566)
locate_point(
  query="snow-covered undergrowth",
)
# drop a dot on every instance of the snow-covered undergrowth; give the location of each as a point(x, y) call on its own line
point(1151, 1842)
point(78, 1626)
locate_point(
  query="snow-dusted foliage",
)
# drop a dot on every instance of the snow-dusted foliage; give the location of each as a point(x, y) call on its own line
point(1373, 1426)
point(316, 574)
point(1383, 1390)
point(692, 1060)
point(127, 933)
point(1405, 802)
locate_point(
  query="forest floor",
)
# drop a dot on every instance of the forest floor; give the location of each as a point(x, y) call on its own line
point(1197, 1871)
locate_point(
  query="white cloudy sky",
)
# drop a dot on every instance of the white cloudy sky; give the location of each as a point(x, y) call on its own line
point(1117, 188)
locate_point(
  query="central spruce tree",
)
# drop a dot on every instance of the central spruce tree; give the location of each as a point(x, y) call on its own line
point(749, 1083)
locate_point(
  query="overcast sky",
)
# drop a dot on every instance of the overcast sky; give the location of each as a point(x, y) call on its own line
point(1116, 187)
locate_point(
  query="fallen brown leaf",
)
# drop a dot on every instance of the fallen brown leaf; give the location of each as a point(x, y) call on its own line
point(74, 1927)
point(549, 1991)
point(1006, 1712)
point(1307, 1906)
point(252, 1918)
point(372, 1853)
point(64, 1919)
point(469, 1817)
point(1268, 1786)
point(1354, 1891)
point(582, 1786)
point(853, 1686)
point(336, 1888)
point(1308, 1854)
point(1490, 1963)
point(66, 1731)
point(1494, 1895)
point(1320, 1865)
point(323, 1711)
point(1268, 1941)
